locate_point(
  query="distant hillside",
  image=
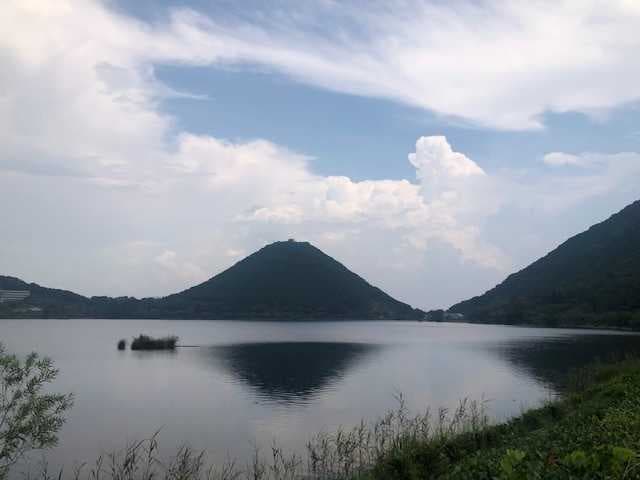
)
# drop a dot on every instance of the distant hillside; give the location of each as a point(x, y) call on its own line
point(591, 279)
point(61, 302)
point(292, 280)
point(284, 280)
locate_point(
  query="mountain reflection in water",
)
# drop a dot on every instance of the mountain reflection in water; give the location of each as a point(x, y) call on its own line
point(551, 360)
point(290, 372)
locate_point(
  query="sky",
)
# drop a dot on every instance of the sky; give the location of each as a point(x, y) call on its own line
point(432, 147)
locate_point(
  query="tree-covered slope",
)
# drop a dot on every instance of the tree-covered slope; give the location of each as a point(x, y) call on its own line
point(54, 301)
point(284, 280)
point(288, 279)
point(591, 279)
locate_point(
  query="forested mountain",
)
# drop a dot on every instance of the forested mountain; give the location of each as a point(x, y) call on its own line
point(288, 280)
point(51, 299)
point(591, 279)
point(291, 279)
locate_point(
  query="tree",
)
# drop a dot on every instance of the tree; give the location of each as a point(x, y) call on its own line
point(30, 417)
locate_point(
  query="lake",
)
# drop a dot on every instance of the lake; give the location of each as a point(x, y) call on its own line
point(236, 384)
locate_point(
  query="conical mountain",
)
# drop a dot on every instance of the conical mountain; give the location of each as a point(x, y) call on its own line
point(284, 280)
point(287, 280)
point(591, 279)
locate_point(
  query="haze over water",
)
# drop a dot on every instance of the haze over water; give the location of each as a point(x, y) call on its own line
point(241, 383)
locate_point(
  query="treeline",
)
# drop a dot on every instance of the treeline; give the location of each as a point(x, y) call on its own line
point(129, 307)
point(283, 280)
point(523, 312)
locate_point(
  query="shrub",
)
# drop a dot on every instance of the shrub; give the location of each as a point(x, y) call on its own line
point(29, 418)
point(122, 344)
point(145, 342)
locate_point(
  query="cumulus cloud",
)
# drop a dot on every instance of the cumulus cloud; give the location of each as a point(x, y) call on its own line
point(434, 158)
point(92, 164)
point(418, 211)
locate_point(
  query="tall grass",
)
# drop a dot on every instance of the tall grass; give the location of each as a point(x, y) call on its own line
point(344, 454)
point(447, 444)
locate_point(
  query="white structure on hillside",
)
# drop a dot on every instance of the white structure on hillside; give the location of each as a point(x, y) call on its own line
point(13, 295)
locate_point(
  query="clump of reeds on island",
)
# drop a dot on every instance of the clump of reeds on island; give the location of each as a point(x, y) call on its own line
point(145, 342)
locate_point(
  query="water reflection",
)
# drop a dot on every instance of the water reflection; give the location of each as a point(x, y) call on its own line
point(290, 372)
point(151, 355)
point(550, 360)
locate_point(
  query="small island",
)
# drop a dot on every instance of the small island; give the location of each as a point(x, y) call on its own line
point(145, 342)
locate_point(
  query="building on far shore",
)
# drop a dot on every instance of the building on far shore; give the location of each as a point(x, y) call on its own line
point(443, 316)
point(13, 295)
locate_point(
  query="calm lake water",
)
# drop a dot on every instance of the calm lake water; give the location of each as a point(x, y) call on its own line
point(241, 383)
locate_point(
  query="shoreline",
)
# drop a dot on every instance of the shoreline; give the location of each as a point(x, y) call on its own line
point(600, 328)
point(591, 431)
point(554, 327)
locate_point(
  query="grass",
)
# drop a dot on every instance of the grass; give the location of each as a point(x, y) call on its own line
point(145, 342)
point(593, 432)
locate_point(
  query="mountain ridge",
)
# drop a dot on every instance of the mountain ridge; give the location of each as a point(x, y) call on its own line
point(591, 279)
point(282, 280)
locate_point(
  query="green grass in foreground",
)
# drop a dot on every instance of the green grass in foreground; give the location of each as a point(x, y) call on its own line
point(593, 433)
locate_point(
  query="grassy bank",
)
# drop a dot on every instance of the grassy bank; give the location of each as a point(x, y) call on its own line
point(592, 433)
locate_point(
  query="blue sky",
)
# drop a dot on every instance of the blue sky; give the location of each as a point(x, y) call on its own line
point(256, 102)
point(159, 142)
point(337, 129)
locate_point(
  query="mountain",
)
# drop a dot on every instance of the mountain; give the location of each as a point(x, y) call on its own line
point(592, 279)
point(292, 280)
point(51, 299)
point(284, 280)
point(53, 302)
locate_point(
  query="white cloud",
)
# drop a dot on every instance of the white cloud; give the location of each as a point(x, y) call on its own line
point(125, 203)
point(435, 158)
point(560, 159)
point(234, 252)
point(169, 260)
point(418, 212)
point(495, 64)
